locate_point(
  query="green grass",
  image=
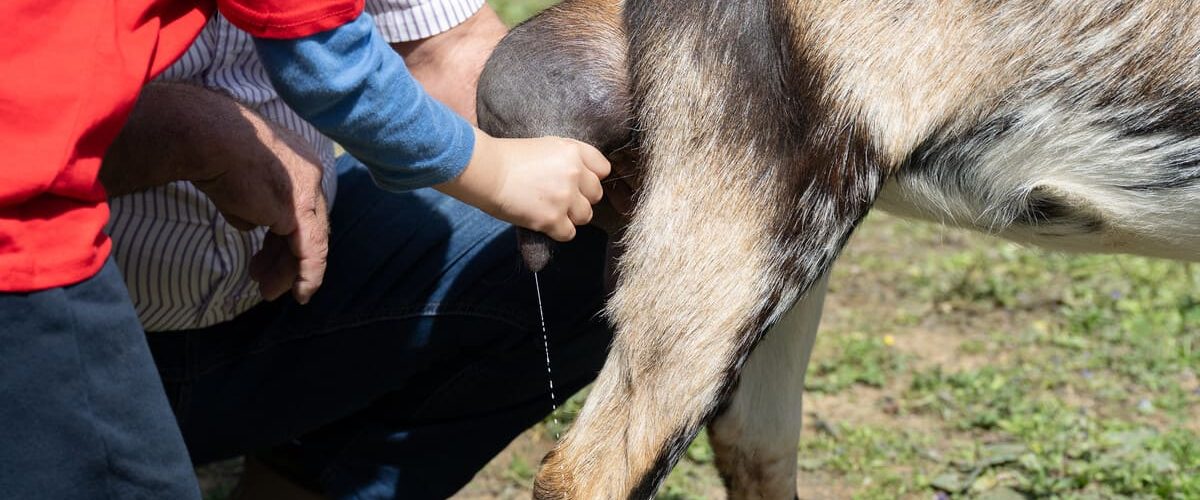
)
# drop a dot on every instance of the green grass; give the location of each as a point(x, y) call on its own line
point(1098, 389)
point(515, 11)
point(857, 358)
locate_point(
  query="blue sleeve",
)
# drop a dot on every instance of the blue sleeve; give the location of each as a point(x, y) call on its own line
point(355, 89)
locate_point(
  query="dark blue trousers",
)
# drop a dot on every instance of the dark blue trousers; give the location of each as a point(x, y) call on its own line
point(82, 411)
point(418, 360)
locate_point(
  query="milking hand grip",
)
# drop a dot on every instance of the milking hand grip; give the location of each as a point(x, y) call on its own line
point(535, 248)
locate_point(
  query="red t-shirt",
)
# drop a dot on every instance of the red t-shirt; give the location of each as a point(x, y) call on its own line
point(70, 71)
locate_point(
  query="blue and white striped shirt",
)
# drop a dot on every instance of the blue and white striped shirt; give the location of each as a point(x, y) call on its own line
point(185, 267)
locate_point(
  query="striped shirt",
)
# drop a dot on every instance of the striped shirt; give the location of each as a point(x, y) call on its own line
point(185, 267)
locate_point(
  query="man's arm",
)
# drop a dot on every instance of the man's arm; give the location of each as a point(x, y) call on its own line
point(157, 144)
point(448, 64)
point(181, 132)
point(255, 173)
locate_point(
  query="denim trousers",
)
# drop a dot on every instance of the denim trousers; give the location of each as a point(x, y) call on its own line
point(417, 361)
point(82, 411)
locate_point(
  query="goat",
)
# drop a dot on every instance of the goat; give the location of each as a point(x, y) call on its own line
point(765, 130)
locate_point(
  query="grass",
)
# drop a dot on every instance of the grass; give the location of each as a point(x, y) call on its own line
point(515, 11)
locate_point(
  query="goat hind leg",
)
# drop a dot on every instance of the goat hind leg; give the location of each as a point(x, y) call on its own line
point(755, 435)
point(696, 288)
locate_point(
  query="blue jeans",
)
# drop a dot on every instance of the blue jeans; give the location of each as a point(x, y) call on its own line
point(82, 412)
point(418, 360)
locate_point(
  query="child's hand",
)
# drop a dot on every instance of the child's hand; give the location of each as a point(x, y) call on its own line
point(547, 184)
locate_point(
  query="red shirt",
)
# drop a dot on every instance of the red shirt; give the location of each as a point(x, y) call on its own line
point(70, 71)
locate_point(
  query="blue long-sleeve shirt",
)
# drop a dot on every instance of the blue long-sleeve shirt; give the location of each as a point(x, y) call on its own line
point(355, 89)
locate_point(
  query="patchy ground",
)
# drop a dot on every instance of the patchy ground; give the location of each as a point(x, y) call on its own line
point(952, 364)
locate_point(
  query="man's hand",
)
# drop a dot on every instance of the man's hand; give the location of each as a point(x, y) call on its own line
point(256, 173)
point(547, 184)
point(281, 191)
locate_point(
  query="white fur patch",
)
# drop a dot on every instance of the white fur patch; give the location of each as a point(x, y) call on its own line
point(1082, 160)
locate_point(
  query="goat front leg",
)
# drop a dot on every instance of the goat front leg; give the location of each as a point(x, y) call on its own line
point(755, 435)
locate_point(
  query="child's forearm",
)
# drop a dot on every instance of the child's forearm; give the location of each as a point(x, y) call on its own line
point(351, 85)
